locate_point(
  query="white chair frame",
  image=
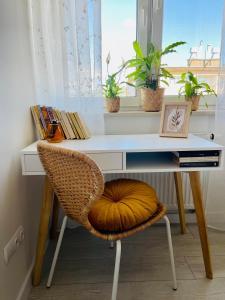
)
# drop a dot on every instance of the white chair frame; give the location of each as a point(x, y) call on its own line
point(117, 260)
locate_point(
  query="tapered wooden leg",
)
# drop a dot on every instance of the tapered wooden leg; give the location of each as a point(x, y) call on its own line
point(55, 218)
point(43, 231)
point(180, 201)
point(198, 203)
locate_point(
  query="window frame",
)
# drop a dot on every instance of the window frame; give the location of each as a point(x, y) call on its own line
point(146, 22)
point(149, 28)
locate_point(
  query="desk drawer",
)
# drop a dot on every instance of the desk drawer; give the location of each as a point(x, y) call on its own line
point(108, 161)
point(105, 161)
point(32, 163)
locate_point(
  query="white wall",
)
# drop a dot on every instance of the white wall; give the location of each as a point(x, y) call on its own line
point(139, 122)
point(19, 196)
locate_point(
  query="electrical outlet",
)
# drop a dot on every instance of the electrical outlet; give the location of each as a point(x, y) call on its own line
point(13, 244)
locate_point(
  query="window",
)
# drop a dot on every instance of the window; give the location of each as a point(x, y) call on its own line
point(118, 34)
point(122, 23)
point(198, 23)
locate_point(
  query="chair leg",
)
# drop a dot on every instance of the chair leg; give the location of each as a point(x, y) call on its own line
point(54, 261)
point(171, 252)
point(116, 270)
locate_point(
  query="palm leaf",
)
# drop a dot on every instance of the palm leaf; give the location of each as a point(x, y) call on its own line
point(183, 76)
point(181, 91)
point(180, 81)
point(137, 49)
point(128, 83)
point(170, 48)
point(165, 82)
point(134, 74)
point(166, 73)
point(188, 89)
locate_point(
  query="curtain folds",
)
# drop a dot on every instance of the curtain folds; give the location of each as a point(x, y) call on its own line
point(66, 50)
point(215, 205)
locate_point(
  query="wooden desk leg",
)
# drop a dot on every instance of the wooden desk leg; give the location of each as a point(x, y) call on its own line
point(43, 231)
point(55, 218)
point(198, 203)
point(180, 201)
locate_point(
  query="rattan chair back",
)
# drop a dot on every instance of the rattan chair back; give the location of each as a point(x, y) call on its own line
point(75, 178)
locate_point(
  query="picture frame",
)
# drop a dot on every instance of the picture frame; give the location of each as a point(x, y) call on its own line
point(175, 117)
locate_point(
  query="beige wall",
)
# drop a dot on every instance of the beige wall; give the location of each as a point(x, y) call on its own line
point(19, 196)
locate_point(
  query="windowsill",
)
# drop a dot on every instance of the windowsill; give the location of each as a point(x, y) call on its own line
point(137, 121)
point(135, 112)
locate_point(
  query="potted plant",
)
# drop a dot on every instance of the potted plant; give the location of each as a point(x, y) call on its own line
point(193, 89)
point(112, 89)
point(149, 73)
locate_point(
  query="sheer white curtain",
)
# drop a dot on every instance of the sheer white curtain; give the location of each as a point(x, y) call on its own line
point(215, 205)
point(66, 49)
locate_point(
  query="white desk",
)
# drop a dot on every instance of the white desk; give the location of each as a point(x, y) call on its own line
point(120, 153)
point(124, 154)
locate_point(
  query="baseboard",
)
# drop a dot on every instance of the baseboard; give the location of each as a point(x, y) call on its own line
point(26, 286)
point(216, 220)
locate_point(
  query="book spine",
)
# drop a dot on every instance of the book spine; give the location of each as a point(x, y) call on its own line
point(58, 120)
point(196, 153)
point(198, 164)
point(50, 113)
point(44, 125)
point(84, 128)
point(77, 125)
point(36, 122)
point(82, 133)
point(197, 159)
point(39, 124)
point(68, 126)
point(44, 113)
point(62, 123)
point(72, 125)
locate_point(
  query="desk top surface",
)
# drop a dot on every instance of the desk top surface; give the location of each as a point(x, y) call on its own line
point(133, 143)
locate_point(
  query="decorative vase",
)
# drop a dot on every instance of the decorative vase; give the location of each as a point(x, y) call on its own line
point(113, 104)
point(194, 102)
point(152, 99)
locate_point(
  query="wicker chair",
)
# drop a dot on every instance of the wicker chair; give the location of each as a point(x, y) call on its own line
point(77, 182)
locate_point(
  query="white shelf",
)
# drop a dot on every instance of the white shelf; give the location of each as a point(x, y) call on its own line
point(157, 162)
point(149, 160)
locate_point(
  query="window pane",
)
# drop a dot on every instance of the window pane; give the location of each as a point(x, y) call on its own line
point(118, 34)
point(199, 23)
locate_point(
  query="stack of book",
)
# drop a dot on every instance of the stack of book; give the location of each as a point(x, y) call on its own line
point(190, 159)
point(72, 125)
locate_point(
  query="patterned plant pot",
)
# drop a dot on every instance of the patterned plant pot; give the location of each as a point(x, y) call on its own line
point(113, 104)
point(152, 100)
point(194, 102)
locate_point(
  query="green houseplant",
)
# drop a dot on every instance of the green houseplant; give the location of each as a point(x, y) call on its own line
point(149, 72)
point(112, 88)
point(193, 89)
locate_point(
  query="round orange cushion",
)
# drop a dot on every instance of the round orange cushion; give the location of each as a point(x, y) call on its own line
point(124, 204)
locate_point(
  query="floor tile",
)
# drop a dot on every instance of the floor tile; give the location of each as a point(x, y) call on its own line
point(86, 264)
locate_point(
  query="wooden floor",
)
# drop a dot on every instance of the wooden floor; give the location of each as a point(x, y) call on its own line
point(85, 267)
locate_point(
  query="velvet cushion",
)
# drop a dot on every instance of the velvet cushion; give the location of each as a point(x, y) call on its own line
point(124, 204)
